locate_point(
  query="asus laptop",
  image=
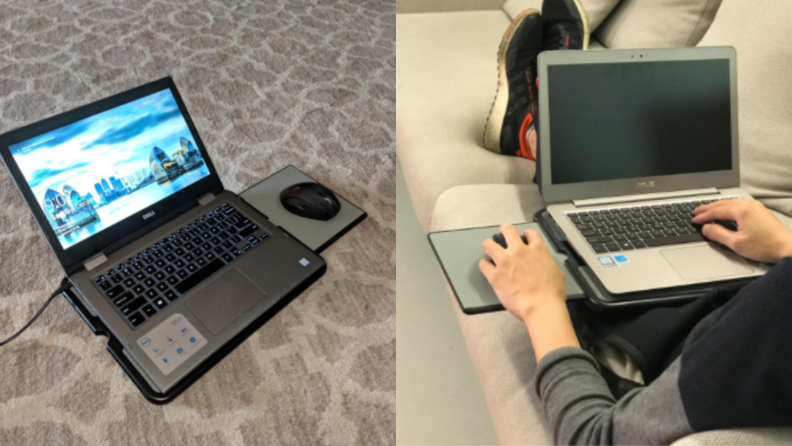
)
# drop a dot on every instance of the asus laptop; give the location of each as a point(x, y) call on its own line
point(132, 207)
point(631, 142)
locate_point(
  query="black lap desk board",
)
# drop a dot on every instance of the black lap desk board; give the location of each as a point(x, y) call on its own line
point(318, 236)
point(599, 297)
point(459, 252)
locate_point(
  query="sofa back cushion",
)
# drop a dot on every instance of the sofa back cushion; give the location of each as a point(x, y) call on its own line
point(596, 10)
point(640, 23)
point(760, 33)
point(657, 23)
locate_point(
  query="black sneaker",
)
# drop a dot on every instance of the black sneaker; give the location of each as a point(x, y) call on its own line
point(516, 98)
point(566, 26)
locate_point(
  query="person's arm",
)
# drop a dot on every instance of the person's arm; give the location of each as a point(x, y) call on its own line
point(577, 402)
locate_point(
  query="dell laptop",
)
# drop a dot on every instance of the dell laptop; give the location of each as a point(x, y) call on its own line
point(132, 207)
point(631, 142)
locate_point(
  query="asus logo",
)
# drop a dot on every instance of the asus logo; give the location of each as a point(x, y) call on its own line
point(149, 215)
point(645, 185)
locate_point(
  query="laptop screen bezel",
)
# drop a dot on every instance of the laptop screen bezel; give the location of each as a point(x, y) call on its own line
point(555, 193)
point(132, 227)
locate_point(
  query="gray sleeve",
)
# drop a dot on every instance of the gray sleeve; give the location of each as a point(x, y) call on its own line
point(580, 408)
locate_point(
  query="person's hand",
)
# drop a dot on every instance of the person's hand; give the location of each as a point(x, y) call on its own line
point(524, 277)
point(759, 235)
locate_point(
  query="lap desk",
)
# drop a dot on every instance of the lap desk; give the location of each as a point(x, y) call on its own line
point(459, 253)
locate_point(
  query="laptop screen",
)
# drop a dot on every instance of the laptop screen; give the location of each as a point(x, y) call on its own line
point(615, 121)
point(94, 173)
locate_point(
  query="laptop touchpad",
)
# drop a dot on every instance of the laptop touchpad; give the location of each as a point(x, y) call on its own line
point(706, 262)
point(222, 302)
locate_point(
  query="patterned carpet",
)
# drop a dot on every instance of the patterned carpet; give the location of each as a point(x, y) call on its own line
point(268, 84)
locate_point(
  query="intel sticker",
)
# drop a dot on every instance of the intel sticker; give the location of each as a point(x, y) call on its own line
point(606, 261)
point(620, 259)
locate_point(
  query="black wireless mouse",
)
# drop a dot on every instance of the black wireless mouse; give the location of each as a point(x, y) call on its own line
point(501, 240)
point(310, 200)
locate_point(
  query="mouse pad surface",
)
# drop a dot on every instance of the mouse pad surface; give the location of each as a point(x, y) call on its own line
point(459, 253)
point(315, 234)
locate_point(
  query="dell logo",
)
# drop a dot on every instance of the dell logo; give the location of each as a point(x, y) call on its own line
point(148, 215)
point(645, 185)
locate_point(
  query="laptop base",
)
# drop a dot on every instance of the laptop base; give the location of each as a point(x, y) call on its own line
point(599, 297)
point(146, 387)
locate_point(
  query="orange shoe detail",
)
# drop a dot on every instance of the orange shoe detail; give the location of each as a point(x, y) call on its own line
point(525, 149)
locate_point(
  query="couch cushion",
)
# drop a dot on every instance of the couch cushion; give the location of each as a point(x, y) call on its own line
point(498, 345)
point(446, 78)
point(596, 10)
point(657, 23)
point(763, 69)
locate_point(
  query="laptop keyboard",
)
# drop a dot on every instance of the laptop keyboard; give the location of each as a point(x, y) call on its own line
point(638, 227)
point(148, 281)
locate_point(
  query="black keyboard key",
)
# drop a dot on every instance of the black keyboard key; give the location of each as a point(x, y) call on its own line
point(599, 240)
point(161, 263)
point(151, 294)
point(182, 274)
point(170, 269)
point(123, 299)
point(149, 310)
point(179, 263)
point(140, 276)
point(114, 292)
point(620, 238)
point(674, 240)
point(149, 282)
point(117, 278)
point(249, 230)
point(151, 269)
point(227, 257)
point(170, 257)
point(173, 280)
point(105, 285)
point(210, 268)
point(171, 295)
point(133, 306)
point(189, 258)
point(162, 286)
point(160, 275)
point(136, 319)
point(612, 246)
point(138, 289)
point(625, 246)
point(638, 244)
point(192, 268)
point(201, 261)
point(160, 303)
point(599, 248)
point(129, 283)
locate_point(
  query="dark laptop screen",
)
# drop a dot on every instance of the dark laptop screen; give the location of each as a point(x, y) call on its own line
point(629, 120)
point(96, 172)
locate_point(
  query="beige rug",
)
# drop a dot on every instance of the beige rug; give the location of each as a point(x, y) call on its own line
point(268, 83)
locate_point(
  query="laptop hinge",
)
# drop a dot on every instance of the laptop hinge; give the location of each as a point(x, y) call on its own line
point(206, 199)
point(95, 261)
point(644, 197)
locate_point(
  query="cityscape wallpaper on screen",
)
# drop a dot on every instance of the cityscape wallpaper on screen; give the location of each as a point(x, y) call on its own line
point(98, 171)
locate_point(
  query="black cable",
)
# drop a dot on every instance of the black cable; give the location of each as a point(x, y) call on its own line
point(65, 285)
